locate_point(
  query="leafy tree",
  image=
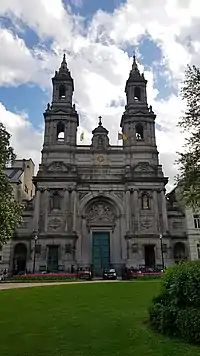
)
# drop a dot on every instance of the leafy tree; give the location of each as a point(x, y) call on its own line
point(10, 210)
point(189, 161)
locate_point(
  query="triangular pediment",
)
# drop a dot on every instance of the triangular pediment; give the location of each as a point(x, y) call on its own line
point(144, 168)
point(57, 166)
point(60, 112)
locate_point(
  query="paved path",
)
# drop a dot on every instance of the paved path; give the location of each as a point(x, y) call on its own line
point(4, 286)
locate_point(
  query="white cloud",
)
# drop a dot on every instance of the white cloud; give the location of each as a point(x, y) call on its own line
point(97, 61)
point(25, 139)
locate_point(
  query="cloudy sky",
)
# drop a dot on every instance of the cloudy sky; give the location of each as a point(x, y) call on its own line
point(99, 38)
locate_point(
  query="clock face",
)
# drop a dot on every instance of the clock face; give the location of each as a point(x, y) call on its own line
point(100, 159)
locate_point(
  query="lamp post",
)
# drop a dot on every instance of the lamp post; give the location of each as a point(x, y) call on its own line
point(162, 254)
point(35, 240)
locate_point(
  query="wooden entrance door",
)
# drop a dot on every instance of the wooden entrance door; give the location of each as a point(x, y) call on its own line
point(100, 252)
point(149, 251)
point(52, 261)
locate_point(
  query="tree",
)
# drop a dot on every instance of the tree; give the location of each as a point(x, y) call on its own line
point(10, 210)
point(189, 161)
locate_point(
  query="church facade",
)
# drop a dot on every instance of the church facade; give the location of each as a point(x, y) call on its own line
point(98, 205)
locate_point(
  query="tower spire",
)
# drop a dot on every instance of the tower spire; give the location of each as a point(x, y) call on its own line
point(135, 66)
point(63, 66)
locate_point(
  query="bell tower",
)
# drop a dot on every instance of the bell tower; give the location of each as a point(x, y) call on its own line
point(135, 89)
point(61, 118)
point(138, 119)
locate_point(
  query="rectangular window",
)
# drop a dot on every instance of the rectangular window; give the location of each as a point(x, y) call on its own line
point(26, 189)
point(196, 221)
point(68, 249)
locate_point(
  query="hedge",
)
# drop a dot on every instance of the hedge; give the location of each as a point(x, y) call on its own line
point(176, 310)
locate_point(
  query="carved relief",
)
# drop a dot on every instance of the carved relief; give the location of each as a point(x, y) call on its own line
point(144, 168)
point(146, 223)
point(58, 166)
point(177, 225)
point(54, 224)
point(100, 211)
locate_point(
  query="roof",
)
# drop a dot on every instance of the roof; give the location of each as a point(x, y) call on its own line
point(13, 174)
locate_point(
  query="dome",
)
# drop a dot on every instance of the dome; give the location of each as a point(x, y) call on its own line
point(100, 129)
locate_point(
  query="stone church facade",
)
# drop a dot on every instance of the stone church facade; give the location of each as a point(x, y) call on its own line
point(98, 205)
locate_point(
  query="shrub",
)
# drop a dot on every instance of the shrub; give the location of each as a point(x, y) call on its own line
point(163, 318)
point(187, 324)
point(176, 310)
point(181, 284)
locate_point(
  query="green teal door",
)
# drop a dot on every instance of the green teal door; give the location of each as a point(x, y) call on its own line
point(100, 252)
point(52, 261)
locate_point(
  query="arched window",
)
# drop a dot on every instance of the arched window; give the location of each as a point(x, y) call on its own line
point(137, 94)
point(60, 132)
point(145, 202)
point(139, 131)
point(56, 201)
point(62, 91)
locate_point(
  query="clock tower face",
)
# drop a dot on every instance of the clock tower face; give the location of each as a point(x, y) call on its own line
point(100, 159)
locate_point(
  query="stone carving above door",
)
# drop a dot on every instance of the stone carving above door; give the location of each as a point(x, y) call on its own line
point(146, 223)
point(100, 212)
point(54, 224)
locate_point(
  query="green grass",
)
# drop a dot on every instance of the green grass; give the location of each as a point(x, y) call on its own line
point(87, 319)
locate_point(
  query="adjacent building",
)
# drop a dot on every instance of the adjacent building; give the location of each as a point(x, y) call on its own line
point(100, 204)
point(20, 175)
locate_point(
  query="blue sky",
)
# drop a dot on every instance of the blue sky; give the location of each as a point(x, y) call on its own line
point(99, 38)
point(32, 99)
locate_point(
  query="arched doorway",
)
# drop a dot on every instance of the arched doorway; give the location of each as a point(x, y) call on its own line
point(20, 257)
point(100, 218)
point(179, 252)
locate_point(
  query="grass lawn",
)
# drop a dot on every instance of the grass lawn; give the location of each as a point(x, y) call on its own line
point(87, 319)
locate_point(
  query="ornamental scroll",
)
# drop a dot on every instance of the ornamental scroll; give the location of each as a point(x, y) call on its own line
point(100, 213)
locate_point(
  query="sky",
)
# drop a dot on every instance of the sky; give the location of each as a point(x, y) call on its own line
point(99, 38)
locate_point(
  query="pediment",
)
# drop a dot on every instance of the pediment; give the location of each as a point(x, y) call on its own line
point(57, 166)
point(60, 112)
point(144, 168)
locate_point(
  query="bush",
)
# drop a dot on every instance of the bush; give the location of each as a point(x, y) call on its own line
point(176, 310)
point(181, 284)
point(187, 324)
point(163, 318)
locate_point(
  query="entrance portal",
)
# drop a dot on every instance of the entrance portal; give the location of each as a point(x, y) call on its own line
point(52, 261)
point(100, 252)
point(149, 254)
point(20, 257)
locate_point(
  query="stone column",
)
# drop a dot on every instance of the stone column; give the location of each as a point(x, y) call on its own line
point(155, 203)
point(132, 213)
point(37, 210)
point(164, 212)
point(66, 208)
point(128, 210)
point(74, 194)
point(46, 208)
point(136, 210)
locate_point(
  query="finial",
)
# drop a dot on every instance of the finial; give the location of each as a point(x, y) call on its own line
point(100, 123)
point(134, 65)
point(64, 58)
point(63, 64)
